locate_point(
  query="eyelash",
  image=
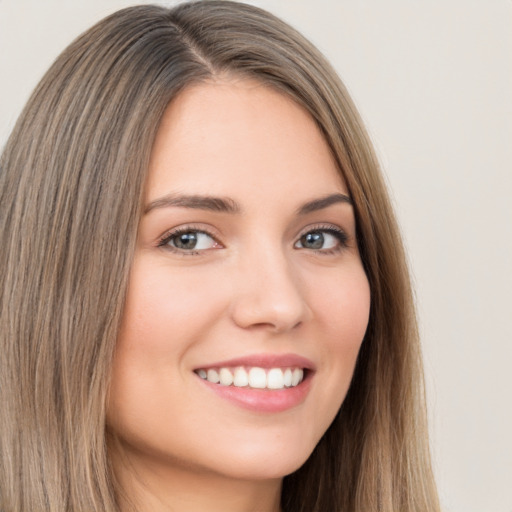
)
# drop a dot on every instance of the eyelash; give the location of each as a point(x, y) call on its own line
point(339, 234)
point(336, 232)
point(175, 233)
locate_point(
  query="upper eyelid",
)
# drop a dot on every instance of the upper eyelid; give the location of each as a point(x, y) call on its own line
point(199, 227)
point(323, 226)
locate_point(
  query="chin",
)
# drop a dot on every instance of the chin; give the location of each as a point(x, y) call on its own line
point(264, 463)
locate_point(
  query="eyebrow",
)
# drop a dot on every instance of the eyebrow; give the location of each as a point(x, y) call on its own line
point(210, 203)
point(227, 205)
point(323, 202)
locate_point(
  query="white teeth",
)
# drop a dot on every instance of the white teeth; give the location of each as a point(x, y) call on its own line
point(298, 375)
point(226, 377)
point(275, 379)
point(258, 378)
point(288, 377)
point(212, 376)
point(240, 379)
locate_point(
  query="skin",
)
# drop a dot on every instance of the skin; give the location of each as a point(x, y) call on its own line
point(254, 287)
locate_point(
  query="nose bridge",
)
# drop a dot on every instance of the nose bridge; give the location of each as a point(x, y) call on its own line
point(268, 289)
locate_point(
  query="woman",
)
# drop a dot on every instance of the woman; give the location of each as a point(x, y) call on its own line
point(206, 302)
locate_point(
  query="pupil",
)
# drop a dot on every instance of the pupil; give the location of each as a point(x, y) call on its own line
point(186, 241)
point(313, 240)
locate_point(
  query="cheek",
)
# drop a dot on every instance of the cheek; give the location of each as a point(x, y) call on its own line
point(343, 308)
point(164, 316)
point(164, 308)
point(342, 312)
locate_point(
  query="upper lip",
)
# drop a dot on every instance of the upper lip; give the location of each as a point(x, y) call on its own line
point(265, 361)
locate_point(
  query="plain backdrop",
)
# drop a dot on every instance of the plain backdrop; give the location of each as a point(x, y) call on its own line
point(433, 81)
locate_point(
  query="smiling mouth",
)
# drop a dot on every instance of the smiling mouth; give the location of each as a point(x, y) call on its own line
point(253, 377)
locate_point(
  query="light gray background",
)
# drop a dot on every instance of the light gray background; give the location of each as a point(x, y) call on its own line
point(433, 81)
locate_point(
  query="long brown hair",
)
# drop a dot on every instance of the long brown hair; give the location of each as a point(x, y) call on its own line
point(71, 186)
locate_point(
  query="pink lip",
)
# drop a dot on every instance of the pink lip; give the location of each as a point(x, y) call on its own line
point(264, 400)
point(264, 361)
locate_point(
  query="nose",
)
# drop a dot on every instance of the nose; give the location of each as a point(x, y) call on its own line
point(268, 293)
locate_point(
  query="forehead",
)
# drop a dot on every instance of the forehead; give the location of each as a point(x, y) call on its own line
point(236, 136)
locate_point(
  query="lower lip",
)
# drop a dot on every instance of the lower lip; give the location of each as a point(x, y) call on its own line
point(263, 400)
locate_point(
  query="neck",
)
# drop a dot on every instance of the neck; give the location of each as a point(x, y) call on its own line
point(149, 486)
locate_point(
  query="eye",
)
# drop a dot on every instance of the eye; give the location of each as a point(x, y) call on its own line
point(188, 240)
point(325, 239)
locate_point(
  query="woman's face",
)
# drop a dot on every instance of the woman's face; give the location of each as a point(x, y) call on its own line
point(246, 270)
